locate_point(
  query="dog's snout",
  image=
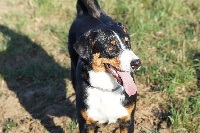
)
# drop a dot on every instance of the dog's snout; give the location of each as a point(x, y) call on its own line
point(135, 64)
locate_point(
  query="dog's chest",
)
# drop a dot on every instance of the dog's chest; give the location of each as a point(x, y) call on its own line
point(105, 107)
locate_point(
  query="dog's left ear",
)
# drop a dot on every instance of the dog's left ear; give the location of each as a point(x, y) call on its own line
point(84, 46)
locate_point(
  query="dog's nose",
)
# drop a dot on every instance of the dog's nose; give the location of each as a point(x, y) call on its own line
point(135, 64)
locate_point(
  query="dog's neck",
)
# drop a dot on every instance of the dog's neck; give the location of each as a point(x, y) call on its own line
point(107, 90)
point(103, 80)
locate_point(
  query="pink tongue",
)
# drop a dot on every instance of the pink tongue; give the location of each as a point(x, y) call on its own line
point(128, 83)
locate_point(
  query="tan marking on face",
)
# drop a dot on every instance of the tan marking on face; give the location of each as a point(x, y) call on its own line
point(113, 42)
point(87, 119)
point(126, 39)
point(98, 63)
point(129, 110)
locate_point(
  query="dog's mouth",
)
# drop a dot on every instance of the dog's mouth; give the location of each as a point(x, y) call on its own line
point(123, 78)
point(114, 72)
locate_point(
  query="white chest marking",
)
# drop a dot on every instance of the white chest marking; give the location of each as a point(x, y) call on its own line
point(105, 106)
point(102, 80)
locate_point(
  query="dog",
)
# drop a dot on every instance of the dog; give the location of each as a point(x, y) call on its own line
point(102, 67)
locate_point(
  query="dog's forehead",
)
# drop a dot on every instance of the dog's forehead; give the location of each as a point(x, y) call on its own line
point(110, 43)
point(109, 34)
point(113, 37)
point(104, 35)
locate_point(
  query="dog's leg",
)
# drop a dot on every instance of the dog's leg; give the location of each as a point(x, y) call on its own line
point(85, 128)
point(89, 125)
point(123, 129)
point(90, 129)
point(127, 127)
point(127, 122)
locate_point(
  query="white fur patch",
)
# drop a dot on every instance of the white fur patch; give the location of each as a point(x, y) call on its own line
point(126, 56)
point(102, 80)
point(125, 59)
point(105, 106)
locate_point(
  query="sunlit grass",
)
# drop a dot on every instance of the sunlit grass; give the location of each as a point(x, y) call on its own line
point(165, 34)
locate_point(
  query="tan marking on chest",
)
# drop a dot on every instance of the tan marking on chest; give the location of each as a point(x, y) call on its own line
point(98, 63)
point(129, 110)
point(87, 119)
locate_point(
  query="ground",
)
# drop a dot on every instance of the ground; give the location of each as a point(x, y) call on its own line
point(55, 117)
point(36, 95)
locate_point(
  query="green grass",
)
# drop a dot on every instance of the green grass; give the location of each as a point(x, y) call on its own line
point(72, 126)
point(8, 124)
point(165, 34)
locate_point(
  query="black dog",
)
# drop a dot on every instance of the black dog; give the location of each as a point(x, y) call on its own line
point(102, 65)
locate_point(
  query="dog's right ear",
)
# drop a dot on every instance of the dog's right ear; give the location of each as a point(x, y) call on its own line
point(84, 45)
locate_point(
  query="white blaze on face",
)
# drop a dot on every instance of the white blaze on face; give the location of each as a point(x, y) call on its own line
point(126, 56)
point(125, 59)
point(120, 41)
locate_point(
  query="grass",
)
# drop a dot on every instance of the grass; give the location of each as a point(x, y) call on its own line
point(165, 34)
point(8, 124)
point(72, 126)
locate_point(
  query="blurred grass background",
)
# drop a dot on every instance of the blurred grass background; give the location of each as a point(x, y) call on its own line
point(165, 34)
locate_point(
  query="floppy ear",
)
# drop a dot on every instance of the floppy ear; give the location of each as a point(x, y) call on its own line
point(84, 46)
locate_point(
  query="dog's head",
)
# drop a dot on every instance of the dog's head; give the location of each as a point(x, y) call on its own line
point(108, 49)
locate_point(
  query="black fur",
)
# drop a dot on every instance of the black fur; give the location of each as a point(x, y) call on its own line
point(92, 24)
